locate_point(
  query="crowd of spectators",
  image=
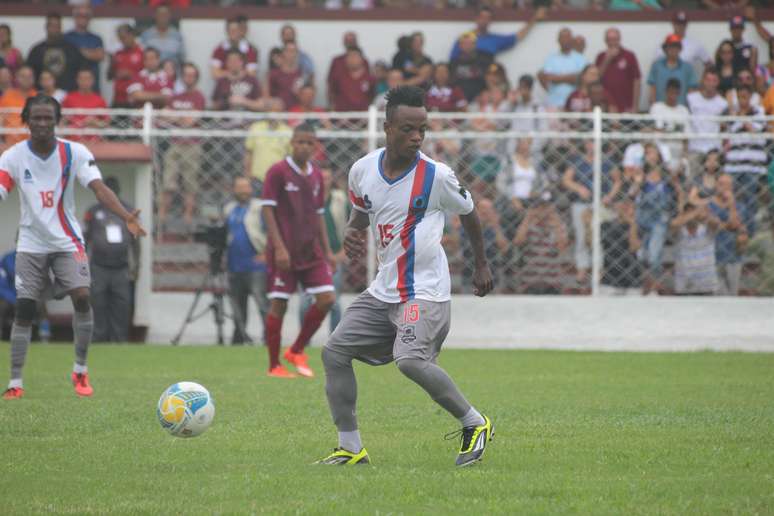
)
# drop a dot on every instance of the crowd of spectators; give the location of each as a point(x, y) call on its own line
point(535, 192)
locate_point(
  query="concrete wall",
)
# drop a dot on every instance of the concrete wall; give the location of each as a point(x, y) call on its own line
point(519, 322)
point(322, 39)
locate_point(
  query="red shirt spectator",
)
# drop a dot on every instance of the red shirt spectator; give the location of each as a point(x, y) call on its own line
point(442, 96)
point(190, 99)
point(152, 84)
point(286, 80)
point(237, 90)
point(125, 65)
point(620, 73)
point(10, 55)
point(234, 40)
point(352, 88)
point(338, 63)
point(85, 98)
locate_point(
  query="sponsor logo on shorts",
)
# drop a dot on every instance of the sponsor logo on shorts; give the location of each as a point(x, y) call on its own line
point(408, 334)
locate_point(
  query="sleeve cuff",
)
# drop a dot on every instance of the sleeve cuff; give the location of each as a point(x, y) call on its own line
point(268, 202)
point(321, 211)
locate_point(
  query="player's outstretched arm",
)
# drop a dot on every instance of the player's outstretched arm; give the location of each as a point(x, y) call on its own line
point(355, 234)
point(482, 276)
point(107, 198)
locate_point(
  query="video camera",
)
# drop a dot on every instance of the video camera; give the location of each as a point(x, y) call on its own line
point(215, 236)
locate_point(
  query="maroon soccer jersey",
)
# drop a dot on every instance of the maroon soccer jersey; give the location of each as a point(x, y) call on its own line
point(619, 78)
point(445, 98)
point(249, 51)
point(125, 61)
point(156, 82)
point(285, 85)
point(298, 200)
point(226, 87)
point(351, 93)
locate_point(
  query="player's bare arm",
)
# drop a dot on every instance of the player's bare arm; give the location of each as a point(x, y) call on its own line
point(355, 234)
point(482, 276)
point(108, 199)
point(281, 255)
point(325, 243)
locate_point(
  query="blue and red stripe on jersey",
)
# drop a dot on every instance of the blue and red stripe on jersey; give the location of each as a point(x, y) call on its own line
point(420, 197)
point(66, 160)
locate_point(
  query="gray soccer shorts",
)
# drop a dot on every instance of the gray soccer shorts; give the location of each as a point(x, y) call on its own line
point(377, 333)
point(33, 274)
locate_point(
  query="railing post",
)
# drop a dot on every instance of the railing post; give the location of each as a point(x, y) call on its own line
point(373, 135)
point(596, 236)
point(147, 122)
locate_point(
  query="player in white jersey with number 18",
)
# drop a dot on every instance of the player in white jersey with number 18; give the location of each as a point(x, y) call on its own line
point(404, 316)
point(44, 169)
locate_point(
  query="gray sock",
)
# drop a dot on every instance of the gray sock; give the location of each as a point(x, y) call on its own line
point(472, 418)
point(350, 441)
point(437, 383)
point(341, 390)
point(83, 327)
point(20, 341)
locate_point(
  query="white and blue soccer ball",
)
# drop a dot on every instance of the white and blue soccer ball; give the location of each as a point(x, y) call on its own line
point(186, 409)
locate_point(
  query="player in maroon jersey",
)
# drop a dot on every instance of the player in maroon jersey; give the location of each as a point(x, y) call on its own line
point(297, 250)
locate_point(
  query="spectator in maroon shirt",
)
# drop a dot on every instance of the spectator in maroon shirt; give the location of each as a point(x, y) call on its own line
point(620, 73)
point(125, 64)
point(238, 90)
point(151, 84)
point(286, 80)
point(288, 36)
point(352, 88)
point(442, 95)
point(579, 100)
point(338, 64)
point(469, 67)
point(234, 40)
point(185, 154)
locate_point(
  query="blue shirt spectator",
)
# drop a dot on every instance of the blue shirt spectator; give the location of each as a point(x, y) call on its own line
point(559, 75)
point(164, 37)
point(91, 46)
point(7, 277)
point(492, 43)
point(241, 254)
point(671, 67)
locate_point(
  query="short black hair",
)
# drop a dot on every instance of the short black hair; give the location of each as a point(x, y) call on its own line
point(53, 15)
point(234, 50)
point(152, 49)
point(527, 80)
point(41, 99)
point(412, 96)
point(674, 82)
point(304, 127)
point(745, 87)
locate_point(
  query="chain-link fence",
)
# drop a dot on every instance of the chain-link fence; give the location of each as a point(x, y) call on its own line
point(570, 203)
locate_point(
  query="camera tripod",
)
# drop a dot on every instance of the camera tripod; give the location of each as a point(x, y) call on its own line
point(216, 284)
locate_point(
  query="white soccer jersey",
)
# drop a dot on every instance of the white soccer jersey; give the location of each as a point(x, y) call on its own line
point(407, 220)
point(48, 223)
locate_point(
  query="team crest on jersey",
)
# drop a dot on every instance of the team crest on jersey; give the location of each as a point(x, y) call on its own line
point(28, 176)
point(419, 202)
point(291, 187)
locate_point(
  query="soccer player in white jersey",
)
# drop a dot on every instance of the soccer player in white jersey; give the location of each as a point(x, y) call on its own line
point(403, 316)
point(44, 169)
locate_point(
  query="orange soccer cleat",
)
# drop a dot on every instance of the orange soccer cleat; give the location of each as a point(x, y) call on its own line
point(279, 371)
point(81, 384)
point(13, 393)
point(300, 362)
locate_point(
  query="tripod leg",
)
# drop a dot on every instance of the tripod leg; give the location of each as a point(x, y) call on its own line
point(217, 307)
point(188, 317)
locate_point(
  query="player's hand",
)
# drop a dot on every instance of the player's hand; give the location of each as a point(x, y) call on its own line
point(482, 281)
point(331, 259)
point(354, 243)
point(133, 225)
point(282, 258)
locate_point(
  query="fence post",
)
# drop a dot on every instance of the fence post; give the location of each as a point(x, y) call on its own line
point(596, 236)
point(147, 122)
point(373, 114)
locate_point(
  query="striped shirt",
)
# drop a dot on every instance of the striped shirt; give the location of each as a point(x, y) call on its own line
point(542, 259)
point(695, 271)
point(748, 153)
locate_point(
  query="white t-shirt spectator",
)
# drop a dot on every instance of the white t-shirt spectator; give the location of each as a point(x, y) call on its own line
point(634, 155)
point(522, 180)
point(701, 106)
point(733, 101)
point(672, 119)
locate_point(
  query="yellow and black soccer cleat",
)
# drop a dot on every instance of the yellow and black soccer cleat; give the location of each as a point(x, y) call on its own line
point(342, 457)
point(473, 441)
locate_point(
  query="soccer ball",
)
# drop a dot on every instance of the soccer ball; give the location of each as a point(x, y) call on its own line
point(186, 409)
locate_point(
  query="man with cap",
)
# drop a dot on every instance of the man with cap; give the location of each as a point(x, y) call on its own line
point(112, 250)
point(745, 54)
point(692, 52)
point(670, 67)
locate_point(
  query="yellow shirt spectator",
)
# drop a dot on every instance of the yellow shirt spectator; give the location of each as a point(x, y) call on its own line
point(264, 150)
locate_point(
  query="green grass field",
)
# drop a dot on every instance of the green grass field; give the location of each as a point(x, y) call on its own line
point(587, 433)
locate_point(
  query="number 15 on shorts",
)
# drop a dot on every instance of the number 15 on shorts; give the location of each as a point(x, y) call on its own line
point(411, 313)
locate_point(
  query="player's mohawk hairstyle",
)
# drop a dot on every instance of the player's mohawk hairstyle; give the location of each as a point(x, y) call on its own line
point(41, 99)
point(412, 96)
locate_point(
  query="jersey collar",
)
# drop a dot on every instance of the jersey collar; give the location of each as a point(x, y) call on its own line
point(296, 168)
point(29, 146)
point(404, 174)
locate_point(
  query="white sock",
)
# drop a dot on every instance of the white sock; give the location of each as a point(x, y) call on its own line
point(15, 383)
point(80, 369)
point(472, 418)
point(350, 441)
